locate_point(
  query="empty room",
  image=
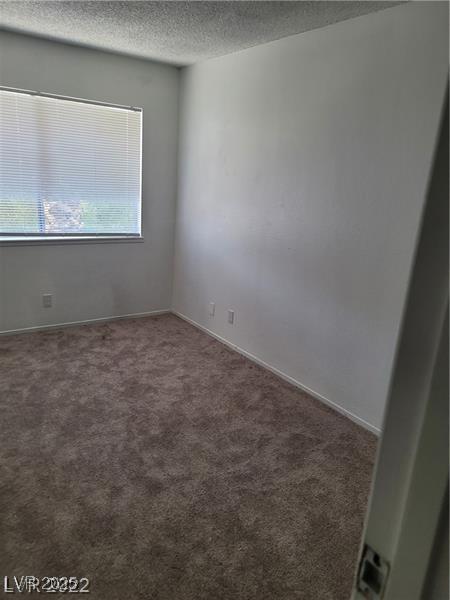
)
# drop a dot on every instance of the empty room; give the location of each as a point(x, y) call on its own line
point(224, 300)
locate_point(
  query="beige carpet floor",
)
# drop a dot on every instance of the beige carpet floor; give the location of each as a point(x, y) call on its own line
point(153, 460)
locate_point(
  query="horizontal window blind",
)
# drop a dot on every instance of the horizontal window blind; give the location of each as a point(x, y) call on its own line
point(68, 167)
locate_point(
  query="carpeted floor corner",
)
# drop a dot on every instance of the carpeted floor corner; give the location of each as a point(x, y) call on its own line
point(148, 457)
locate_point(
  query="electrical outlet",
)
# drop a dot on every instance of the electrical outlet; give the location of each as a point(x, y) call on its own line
point(212, 308)
point(231, 317)
point(47, 300)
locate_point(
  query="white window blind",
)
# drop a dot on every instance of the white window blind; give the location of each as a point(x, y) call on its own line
point(68, 167)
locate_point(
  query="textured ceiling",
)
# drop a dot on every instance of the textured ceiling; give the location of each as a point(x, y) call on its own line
point(176, 32)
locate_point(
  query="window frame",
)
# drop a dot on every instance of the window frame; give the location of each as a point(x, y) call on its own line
point(32, 239)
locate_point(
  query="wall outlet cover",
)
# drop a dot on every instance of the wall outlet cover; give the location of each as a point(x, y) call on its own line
point(47, 300)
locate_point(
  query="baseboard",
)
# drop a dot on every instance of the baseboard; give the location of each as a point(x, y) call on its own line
point(284, 376)
point(152, 313)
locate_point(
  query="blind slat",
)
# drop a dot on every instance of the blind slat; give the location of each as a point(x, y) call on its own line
point(68, 167)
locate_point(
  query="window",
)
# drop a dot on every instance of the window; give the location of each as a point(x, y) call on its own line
point(68, 168)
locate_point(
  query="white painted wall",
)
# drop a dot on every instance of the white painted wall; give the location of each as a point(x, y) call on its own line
point(303, 166)
point(90, 281)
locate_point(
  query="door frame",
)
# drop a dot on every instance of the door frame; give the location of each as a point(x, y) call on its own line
point(411, 472)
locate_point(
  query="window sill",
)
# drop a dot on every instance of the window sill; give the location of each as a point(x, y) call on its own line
point(52, 241)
